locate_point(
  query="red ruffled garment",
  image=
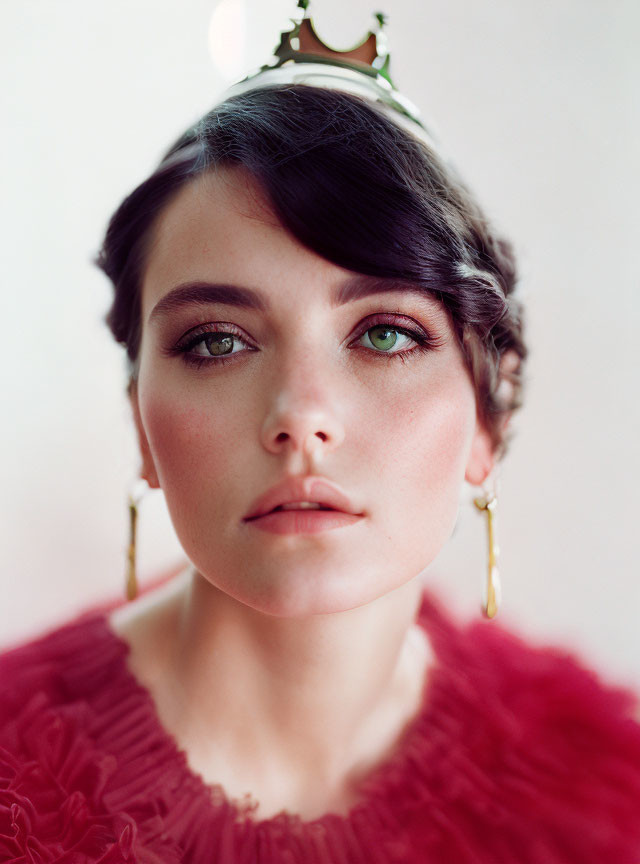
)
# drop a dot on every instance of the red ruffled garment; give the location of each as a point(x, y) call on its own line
point(519, 754)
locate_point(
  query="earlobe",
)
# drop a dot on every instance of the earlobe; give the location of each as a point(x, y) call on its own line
point(147, 469)
point(481, 457)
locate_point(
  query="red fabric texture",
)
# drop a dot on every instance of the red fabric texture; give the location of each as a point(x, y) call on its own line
point(519, 755)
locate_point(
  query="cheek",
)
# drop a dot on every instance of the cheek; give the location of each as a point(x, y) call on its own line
point(445, 431)
point(425, 447)
point(188, 438)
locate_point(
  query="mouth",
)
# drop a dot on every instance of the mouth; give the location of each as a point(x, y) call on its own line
point(308, 494)
point(303, 520)
point(284, 508)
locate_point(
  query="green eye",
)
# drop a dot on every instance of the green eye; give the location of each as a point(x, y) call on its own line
point(383, 337)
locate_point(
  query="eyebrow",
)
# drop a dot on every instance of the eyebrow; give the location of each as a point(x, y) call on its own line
point(353, 288)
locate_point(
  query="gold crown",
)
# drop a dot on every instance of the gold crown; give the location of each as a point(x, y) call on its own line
point(302, 57)
point(303, 45)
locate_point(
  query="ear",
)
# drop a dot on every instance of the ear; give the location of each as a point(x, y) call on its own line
point(148, 469)
point(482, 457)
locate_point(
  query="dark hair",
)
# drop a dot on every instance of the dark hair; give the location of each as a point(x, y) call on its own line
point(353, 186)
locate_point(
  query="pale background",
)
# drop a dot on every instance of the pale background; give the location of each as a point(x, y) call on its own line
point(537, 103)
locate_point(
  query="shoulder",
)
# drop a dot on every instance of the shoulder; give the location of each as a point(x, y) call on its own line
point(566, 743)
point(545, 682)
point(47, 683)
point(532, 681)
point(46, 661)
point(57, 779)
point(536, 749)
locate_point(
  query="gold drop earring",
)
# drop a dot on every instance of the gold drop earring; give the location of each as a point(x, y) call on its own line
point(136, 493)
point(492, 592)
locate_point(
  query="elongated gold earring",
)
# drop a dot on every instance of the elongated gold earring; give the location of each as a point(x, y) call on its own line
point(134, 497)
point(492, 592)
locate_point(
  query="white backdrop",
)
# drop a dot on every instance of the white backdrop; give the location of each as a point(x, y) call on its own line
point(536, 101)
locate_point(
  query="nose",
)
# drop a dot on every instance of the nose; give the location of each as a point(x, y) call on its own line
point(303, 420)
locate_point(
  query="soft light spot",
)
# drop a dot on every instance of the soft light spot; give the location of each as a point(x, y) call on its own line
point(228, 38)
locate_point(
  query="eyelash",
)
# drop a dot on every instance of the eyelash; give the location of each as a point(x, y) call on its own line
point(424, 343)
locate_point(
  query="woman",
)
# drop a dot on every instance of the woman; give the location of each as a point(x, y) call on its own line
point(324, 344)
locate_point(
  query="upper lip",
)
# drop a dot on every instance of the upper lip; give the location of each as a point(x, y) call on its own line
point(296, 489)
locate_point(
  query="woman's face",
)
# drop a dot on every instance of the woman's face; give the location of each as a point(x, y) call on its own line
point(308, 386)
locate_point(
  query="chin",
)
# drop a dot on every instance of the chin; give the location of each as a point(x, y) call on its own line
point(299, 596)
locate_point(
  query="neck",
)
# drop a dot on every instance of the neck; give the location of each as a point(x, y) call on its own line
point(328, 690)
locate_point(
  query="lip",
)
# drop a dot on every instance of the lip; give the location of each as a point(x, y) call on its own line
point(303, 521)
point(293, 489)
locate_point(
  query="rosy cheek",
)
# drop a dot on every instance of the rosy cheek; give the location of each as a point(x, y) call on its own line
point(449, 433)
point(185, 440)
point(437, 446)
point(435, 417)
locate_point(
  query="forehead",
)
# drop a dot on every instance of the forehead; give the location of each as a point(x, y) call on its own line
point(219, 240)
point(215, 214)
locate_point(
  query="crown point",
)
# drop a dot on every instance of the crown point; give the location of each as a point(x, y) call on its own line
point(302, 45)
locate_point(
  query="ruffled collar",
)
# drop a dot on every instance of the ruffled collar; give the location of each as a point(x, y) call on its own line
point(210, 804)
point(517, 753)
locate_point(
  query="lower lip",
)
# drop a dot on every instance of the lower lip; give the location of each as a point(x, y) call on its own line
point(303, 521)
